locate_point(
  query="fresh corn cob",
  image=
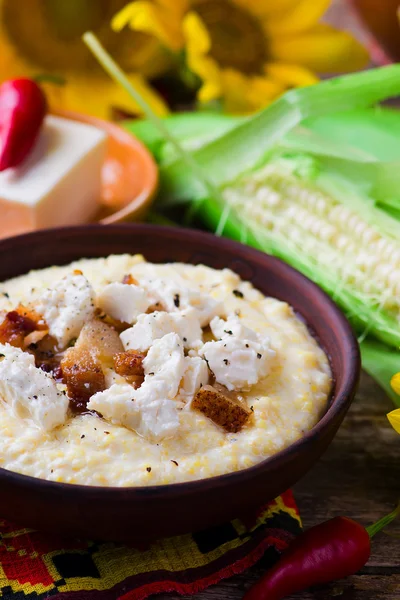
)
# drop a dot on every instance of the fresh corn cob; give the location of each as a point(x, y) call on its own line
point(355, 261)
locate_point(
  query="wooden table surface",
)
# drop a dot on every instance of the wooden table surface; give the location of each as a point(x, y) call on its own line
point(359, 476)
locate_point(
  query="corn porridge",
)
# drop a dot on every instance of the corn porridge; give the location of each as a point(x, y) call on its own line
point(119, 372)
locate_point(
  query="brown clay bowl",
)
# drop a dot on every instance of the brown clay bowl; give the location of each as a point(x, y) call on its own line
point(145, 513)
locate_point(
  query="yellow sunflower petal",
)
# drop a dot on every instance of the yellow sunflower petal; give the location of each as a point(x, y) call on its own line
point(290, 75)
point(243, 94)
point(97, 96)
point(122, 18)
point(395, 383)
point(322, 49)
point(262, 90)
point(196, 35)
point(210, 74)
point(300, 16)
point(197, 45)
point(153, 19)
point(394, 419)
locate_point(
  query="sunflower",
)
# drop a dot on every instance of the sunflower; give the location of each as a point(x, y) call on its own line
point(247, 52)
point(44, 38)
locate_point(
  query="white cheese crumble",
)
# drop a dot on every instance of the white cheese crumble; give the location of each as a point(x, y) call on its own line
point(124, 302)
point(195, 376)
point(159, 415)
point(150, 410)
point(155, 325)
point(30, 392)
point(233, 326)
point(240, 357)
point(165, 362)
point(117, 405)
point(66, 307)
point(174, 296)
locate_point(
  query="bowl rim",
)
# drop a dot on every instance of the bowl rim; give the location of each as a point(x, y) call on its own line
point(338, 404)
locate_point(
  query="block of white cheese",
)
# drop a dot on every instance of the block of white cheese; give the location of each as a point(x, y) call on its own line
point(58, 183)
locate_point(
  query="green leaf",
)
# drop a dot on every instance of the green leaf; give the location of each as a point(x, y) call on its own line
point(193, 130)
point(374, 131)
point(244, 146)
point(381, 363)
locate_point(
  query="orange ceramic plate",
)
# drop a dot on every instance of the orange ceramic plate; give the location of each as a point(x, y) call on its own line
point(129, 175)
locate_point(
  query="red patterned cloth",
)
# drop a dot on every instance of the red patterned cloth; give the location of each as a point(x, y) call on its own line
point(35, 565)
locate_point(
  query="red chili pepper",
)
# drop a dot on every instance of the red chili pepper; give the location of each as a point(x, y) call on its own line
point(23, 107)
point(329, 551)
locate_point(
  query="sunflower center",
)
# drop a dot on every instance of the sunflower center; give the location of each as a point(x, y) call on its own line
point(237, 38)
point(47, 34)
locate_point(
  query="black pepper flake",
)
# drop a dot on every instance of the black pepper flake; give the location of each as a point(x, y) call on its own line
point(107, 432)
point(82, 436)
point(152, 373)
point(95, 428)
point(52, 471)
point(252, 409)
point(6, 294)
point(247, 346)
point(228, 331)
point(226, 361)
point(184, 339)
point(177, 300)
point(238, 294)
point(175, 463)
point(259, 355)
point(35, 397)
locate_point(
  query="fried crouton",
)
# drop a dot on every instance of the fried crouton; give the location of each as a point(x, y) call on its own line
point(129, 364)
point(82, 365)
point(83, 376)
point(222, 407)
point(20, 323)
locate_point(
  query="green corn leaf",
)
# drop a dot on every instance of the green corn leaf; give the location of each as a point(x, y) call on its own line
point(374, 131)
point(193, 130)
point(381, 363)
point(244, 146)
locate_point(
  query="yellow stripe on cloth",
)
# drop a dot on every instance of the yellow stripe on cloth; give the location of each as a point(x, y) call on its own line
point(36, 563)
